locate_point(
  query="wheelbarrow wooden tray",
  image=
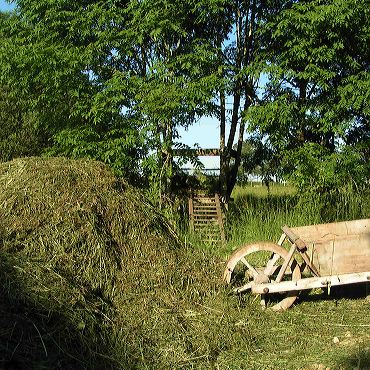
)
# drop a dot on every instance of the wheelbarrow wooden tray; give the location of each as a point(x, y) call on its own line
point(339, 251)
point(338, 248)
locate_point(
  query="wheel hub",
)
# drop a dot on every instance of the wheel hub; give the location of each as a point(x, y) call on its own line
point(261, 279)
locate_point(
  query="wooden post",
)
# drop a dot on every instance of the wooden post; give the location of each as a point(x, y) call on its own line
point(286, 263)
point(219, 217)
point(191, 214)
point(311, 283)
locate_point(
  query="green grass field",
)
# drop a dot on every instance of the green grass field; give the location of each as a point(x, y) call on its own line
point(258, 214)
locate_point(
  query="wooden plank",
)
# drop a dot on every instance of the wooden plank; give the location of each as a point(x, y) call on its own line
point(205, 216)
point(313, 233)
point(204, 199)
point(220, 219)
point(282, 239)
point(206, 221)
point(345, 254)
point(205, 209)
point(311, 283)
point(205, 203)
point(191, 211)
point(287, 260)
point(205, 212)
point(295, 239)
point(310, 264)
point(211, 152)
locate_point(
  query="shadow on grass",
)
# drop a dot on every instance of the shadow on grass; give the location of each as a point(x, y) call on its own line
point(359, 360)
point(28, 340)
point(350, 291)
point(41, 336)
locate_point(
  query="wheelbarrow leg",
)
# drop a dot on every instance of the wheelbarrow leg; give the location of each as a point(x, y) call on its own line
point(263, 301)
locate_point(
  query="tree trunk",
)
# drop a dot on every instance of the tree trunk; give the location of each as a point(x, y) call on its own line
point(223, 162)
point(245, 20)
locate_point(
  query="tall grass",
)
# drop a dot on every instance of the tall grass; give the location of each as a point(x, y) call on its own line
point(258, 213)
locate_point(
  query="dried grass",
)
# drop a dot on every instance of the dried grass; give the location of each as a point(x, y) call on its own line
point(92, 269)
point(92, 277)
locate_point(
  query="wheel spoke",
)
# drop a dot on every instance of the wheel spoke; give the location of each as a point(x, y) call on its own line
point(270, 266)
point(250, 267)
point(243, 288)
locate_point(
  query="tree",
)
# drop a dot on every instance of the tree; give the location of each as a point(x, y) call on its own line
point(238, 44)
point(171, 88)
point(315, 110)
point(115, 80)
point(19, 136)
point(258, 159)
point(112, 80)
point(41, 82)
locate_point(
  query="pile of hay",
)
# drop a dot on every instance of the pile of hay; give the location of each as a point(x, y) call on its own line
point(91, 276)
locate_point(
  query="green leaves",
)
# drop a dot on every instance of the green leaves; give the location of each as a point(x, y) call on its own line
point(114, 147)
point(316, 170)
point(317, 97)
point(114, 80)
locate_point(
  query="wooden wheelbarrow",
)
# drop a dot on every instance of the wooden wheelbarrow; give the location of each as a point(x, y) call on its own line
point(317, 256)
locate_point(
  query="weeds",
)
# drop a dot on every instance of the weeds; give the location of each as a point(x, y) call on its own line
point(258, 214)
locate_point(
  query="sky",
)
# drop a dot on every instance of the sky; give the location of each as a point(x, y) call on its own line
point(5, 6)
point(204, 133)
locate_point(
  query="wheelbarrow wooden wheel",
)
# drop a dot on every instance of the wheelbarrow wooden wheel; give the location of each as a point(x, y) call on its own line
point(260, 263)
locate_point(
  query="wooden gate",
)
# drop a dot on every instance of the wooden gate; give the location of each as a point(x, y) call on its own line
point(206, 218)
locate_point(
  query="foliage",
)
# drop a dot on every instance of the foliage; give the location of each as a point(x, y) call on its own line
point(115, 80)
point(43, 81)
point(317, 97)
point(19, 134)
point(257, 159)
point(317, 170)
point(112, 81)
point(120, 148)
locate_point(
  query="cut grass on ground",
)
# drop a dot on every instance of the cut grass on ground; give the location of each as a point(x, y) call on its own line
point(92, 277)
point(319, 331)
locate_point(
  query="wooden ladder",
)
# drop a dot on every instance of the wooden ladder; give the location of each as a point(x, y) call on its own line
point(205, 217)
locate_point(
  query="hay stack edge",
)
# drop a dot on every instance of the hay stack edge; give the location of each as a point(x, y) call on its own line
point(91, 276)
